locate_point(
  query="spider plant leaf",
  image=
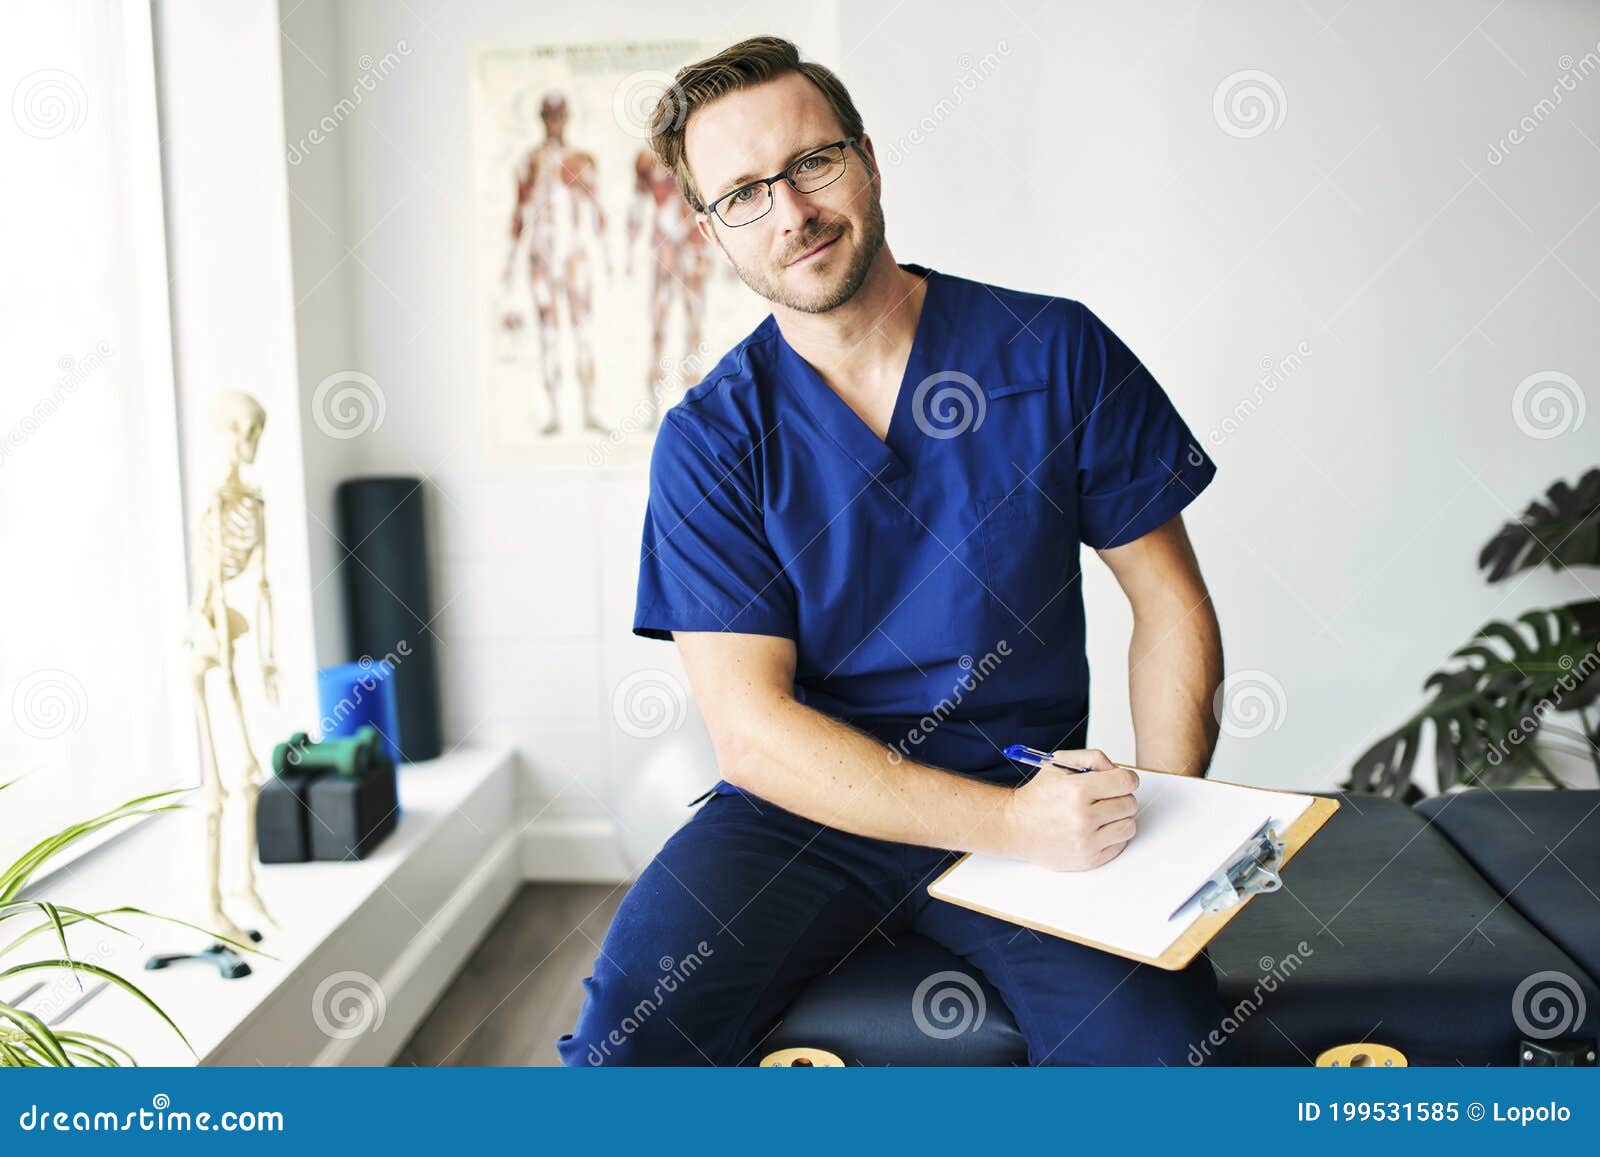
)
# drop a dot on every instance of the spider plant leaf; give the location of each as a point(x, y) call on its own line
point(14, 1052)
point(37, 1033)
point(15, 877)
point(68, 916)
point(24, 1039)
point(16, 1058)
point(92, 1057)
point(246, 946)
point(104, 974)
point(54, 916)
point(1563, 532)
point(87, 1038)
point(73, 916)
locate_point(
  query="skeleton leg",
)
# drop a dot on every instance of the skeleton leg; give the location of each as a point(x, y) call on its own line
point(216, 919)
point(249, 793)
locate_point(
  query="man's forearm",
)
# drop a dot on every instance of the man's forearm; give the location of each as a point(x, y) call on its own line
point(820, 768)
point(1174, 669)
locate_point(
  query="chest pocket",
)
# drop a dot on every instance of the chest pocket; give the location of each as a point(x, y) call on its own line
point(1028, 523)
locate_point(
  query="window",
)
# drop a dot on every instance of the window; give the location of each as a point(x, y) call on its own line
point(94, 700)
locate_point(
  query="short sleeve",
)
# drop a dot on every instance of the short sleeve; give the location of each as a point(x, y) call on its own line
point(705, 563)
point(1138, 463)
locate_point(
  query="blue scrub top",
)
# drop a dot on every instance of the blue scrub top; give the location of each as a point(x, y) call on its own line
point(929, 580)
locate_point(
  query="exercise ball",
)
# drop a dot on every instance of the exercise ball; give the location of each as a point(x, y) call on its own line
point(653, 792)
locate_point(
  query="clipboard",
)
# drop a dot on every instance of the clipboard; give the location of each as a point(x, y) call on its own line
point(1254, 868)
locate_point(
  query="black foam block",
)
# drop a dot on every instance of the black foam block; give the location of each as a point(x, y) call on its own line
point(350, 817)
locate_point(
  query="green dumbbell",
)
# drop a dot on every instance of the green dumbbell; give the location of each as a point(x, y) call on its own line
point(353, 757)
point(286, 756)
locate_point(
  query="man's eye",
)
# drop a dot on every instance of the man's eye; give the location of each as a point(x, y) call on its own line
point(742, 196)
point(813, 161)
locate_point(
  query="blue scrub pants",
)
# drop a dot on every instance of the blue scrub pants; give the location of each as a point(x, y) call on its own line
point(747, 902)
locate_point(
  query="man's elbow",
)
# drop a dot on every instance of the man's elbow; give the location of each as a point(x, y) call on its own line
point(742, 739)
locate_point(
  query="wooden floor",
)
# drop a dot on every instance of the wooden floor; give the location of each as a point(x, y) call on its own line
point(522, 988)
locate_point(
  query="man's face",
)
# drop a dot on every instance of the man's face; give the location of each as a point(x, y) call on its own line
point(755, 133)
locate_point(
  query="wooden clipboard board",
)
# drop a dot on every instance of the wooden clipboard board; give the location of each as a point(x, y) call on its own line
point(1199, 933)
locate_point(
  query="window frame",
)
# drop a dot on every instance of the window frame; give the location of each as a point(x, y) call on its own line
point(138, 158)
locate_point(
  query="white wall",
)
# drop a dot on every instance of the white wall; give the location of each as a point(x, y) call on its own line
point(1424, 282)
point(534, 567)
point(322, 291)
point(1340, 536)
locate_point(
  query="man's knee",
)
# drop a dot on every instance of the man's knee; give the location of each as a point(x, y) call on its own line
point(625, 1024)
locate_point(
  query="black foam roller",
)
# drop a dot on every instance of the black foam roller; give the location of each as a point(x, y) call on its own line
point(387, 599)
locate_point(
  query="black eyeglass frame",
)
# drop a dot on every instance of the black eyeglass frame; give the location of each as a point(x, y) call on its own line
point(788, 176)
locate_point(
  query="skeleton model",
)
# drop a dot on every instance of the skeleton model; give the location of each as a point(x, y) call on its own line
point(679, 270)
point(232, 533)
point(555, 184)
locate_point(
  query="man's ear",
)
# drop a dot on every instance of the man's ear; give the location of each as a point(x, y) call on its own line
point(865, 143)
point(703, 223)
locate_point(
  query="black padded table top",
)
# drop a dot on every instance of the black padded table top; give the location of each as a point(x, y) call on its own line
point(1541, 850)
point(865, 1012)
point(1405, 945)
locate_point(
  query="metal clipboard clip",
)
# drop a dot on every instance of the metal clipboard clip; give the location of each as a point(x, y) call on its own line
point(1251, 870)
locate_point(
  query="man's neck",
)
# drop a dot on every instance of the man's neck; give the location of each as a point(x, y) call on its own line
point(862, 346)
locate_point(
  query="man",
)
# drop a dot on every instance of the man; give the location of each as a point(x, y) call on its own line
point(863, 535)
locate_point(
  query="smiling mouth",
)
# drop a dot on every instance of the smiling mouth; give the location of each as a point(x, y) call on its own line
point(823, 248)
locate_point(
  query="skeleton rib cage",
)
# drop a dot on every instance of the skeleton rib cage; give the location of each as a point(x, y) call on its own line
point(237, 510)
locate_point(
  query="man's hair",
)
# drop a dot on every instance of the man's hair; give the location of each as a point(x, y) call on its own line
point(739, 66)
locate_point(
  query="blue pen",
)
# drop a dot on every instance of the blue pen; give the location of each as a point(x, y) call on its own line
point(1021, 753)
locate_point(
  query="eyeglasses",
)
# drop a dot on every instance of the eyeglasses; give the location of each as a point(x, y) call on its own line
point(816, 170)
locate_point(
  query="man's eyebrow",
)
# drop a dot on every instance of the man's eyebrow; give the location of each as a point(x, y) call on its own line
point(742, 178)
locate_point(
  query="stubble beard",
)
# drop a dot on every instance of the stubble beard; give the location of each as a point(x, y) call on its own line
point(835, 291)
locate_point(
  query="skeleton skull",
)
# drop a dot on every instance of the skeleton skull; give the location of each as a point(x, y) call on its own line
point(239, 417)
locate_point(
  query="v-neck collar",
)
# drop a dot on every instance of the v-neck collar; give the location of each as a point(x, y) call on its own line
point(883, 458)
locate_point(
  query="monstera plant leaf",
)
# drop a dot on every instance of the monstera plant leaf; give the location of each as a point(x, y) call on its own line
point(1564, 532)
point(1487, 709)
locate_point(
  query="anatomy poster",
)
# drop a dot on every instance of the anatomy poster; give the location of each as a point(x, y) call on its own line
point(600, 302)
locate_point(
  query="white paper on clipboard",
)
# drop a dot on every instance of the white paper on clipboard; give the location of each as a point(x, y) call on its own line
point(1186, 828)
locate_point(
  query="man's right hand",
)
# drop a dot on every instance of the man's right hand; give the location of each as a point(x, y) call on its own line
point(1071, 821)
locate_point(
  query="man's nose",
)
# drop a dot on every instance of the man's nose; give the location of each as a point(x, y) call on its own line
point(792, 210)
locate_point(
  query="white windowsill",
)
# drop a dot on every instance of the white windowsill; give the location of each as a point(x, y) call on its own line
point(405, 917)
